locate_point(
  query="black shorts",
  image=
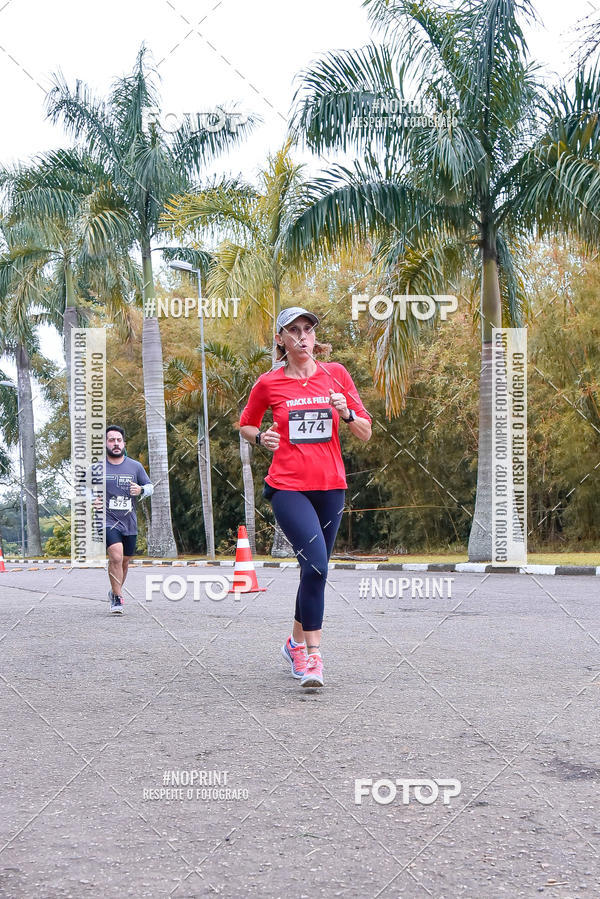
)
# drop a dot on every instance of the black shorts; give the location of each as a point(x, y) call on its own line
point(128, 540)
point(268, 492)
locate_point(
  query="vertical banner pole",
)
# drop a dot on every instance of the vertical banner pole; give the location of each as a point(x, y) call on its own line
point(88, 446)
point(509, 446)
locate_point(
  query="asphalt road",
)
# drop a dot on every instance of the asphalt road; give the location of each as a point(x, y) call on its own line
point(496, 686)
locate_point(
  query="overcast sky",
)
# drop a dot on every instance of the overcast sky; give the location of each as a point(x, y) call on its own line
point(207, 52)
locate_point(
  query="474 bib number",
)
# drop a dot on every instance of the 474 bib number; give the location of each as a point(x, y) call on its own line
point(310, 425)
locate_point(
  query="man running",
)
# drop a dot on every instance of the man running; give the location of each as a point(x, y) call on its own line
point(126, 482)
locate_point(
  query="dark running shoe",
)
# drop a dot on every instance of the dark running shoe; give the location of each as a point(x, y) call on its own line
point(116, 604)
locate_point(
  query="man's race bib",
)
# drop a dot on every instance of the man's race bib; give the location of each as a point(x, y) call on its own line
point(120, 503)
point(311, 425)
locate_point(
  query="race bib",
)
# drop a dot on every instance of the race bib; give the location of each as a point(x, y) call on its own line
point(311, 425)
point(120, 503)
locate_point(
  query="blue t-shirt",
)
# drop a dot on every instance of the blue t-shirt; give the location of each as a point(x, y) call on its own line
point(120, 506)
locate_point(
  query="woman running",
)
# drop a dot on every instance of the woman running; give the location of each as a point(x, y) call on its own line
point(306, 481)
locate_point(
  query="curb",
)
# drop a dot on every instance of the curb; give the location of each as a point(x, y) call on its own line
point(466, 567)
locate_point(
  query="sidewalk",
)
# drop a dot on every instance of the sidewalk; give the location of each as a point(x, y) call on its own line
point(495, 685)
point(469, 567)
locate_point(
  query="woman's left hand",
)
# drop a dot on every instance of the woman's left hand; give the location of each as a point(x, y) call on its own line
point(338, 401)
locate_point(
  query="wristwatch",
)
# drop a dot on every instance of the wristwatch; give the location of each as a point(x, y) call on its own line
point(257, 439)
point(351, 416)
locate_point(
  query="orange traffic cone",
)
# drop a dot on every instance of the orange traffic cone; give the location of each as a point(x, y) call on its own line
point(2, 565)
point(244, 575)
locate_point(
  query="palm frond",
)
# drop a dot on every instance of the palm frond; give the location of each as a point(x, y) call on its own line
point(84, 117)
point(131, 96)
point(337, 96)
point(345, 207)
point(556, 184)
point(202, 138)
point(425, 36)
point(200, 259)
point(8, 412)
point(239, 272)
point(105, 223)
point(229, 206)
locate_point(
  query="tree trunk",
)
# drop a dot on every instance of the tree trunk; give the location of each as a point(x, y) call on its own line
point(276, 311)
point(146, 512)
point(248, 481)
point(161, 541)
point(480, 538)
point(206, 499)
point(281, 548)
point(69, 322)
point(27, 442)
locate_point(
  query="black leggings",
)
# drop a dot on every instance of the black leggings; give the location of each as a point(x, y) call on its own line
point(310, 520)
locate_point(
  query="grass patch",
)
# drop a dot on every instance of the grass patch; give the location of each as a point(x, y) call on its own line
point(564, 558)
point(557, 558)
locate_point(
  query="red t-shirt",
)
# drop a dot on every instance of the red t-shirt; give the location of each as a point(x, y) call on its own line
point(309, 455)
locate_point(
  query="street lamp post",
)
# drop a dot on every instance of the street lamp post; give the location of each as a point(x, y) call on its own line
point(14, 386)
point(209, 527)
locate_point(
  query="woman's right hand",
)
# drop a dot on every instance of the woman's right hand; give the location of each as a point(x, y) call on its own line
point(270, 438)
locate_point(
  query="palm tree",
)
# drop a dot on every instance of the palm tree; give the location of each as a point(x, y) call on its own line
point(145, 167)
point(230, 375)
point(556, 185)
point(22, 302)
point(436, 195)
point(180, 374)
point(251, 261)
point(10, 430)
point(78, 231)
point(589, 31)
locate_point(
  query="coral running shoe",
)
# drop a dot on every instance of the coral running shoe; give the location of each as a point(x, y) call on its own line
point(313, 676)
point(296, 656)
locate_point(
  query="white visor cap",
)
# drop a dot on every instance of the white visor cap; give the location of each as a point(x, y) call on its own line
point(286, 316)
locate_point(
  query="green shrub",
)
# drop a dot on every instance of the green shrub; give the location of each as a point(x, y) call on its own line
point(59, 545)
